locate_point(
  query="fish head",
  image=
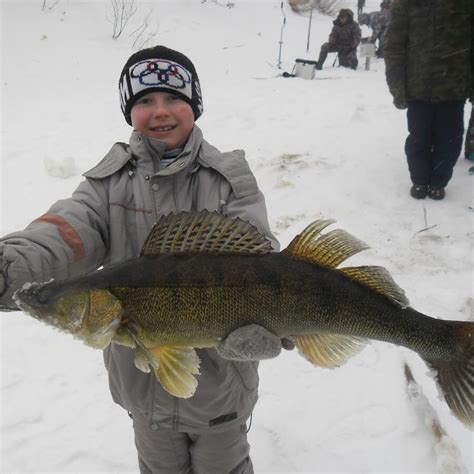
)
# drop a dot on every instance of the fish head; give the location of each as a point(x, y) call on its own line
point(91, 315)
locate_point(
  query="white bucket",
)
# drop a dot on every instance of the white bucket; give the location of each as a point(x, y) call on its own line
point(305, 68)
point(367, 50)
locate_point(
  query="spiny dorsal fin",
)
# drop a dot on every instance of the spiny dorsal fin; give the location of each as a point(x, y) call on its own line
point(380, 280)
point(204, 231)
point(328, 350)
point(177, 368)
point(329, 249)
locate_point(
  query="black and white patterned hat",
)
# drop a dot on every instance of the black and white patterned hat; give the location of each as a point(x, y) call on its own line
point(159, 69)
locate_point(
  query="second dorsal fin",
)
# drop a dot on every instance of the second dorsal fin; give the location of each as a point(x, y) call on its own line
point(326, 249)
point(204, 231)
point(332, 248)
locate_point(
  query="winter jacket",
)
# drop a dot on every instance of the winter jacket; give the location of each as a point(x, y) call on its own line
point(378, 23)
point(429, 51)
point(345, 36)
point(105, 222)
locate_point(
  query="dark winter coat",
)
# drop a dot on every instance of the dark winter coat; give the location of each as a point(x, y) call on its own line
point(345, 36)
point(429, 51)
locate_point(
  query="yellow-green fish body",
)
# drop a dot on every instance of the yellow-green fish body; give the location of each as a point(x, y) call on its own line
point(200, 276)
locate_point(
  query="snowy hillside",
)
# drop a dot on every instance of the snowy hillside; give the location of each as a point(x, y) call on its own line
point(329, 147)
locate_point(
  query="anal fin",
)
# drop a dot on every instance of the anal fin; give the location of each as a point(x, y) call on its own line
point(328, 350)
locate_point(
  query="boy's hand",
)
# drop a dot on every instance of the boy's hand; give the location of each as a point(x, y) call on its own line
point(252, 342)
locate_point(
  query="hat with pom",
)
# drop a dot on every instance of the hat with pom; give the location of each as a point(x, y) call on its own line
point(159, 69)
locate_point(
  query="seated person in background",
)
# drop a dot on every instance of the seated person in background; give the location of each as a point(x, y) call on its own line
point(344, 39)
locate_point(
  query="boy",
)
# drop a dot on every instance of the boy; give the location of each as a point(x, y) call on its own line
point(166, 167)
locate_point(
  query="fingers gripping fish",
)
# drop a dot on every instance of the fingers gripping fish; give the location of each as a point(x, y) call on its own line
point(201, 275)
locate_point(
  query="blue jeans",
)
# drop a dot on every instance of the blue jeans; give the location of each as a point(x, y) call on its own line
point(435, 140)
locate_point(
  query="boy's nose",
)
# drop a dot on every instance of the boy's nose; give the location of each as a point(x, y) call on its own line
point(160, 109)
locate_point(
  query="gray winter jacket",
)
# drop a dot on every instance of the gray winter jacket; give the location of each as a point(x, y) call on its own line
point(105, 222)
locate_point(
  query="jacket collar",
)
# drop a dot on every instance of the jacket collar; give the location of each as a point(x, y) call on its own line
point(148, 152)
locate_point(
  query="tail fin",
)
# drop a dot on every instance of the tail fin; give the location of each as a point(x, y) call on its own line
point(456, 376)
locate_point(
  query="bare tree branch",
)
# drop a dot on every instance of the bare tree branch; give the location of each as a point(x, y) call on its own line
point(121, 13)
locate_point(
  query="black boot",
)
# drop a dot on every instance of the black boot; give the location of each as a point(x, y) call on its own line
point(419, 191)
point(436, 192)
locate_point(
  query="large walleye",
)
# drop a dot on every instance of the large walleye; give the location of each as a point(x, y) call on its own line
point(201, 275)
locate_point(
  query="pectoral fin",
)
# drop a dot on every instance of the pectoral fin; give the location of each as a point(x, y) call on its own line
point(144, 358)
point(328, 350)
point(176, 370)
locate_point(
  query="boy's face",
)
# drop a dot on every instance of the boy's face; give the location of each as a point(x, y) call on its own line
point(163, 116)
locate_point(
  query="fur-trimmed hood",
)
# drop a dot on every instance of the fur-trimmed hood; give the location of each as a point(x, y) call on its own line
point(347, 12)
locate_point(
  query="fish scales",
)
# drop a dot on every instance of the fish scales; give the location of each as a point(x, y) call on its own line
point(201, 275)
point(211, 295)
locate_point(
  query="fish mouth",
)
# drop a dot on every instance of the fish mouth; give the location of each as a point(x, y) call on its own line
point(43, 302)
point(30, 297)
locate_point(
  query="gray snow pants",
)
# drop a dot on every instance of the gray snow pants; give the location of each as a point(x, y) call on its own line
point(174, 452)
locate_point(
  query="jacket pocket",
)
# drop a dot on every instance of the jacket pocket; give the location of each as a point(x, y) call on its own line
point(247, 373)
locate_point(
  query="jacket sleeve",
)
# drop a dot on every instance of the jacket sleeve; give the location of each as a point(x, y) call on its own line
point(333, 36)
point(69, 240)
point(395, 51)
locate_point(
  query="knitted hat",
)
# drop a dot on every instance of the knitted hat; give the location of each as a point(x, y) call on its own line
point(159, 69)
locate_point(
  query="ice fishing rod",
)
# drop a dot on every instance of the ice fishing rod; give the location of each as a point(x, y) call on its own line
point(309, 26)
point(281, 35)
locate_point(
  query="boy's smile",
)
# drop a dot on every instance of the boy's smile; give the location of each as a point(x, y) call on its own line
point(164, 116)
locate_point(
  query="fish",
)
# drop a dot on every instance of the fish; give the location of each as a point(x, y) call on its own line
point(201, 275)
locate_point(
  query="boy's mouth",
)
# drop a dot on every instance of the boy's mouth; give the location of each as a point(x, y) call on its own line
point(165, 128)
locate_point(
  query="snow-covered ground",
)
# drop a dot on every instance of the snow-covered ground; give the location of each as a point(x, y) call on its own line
point(331, 147)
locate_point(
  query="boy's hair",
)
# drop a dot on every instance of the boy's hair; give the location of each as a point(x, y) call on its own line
point(159, 69)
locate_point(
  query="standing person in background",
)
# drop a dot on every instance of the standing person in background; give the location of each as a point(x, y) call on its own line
point(378, 23)
point(429, 57)
point(344, 38)
point(360, 6)
point(167, 166)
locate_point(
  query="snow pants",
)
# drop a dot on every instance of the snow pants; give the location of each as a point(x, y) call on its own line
point(172, 452)
point(346, 58)
point(434, 142)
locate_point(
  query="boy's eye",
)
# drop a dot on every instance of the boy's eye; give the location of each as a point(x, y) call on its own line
point(144, 100)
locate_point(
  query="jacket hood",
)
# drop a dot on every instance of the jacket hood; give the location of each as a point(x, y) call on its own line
point(344, 11)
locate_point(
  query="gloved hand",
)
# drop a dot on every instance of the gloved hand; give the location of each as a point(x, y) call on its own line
point(252, 342)
point(344, 49)
point(400, 102)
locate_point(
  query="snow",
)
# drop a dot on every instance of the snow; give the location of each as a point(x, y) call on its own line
point(330, 147)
